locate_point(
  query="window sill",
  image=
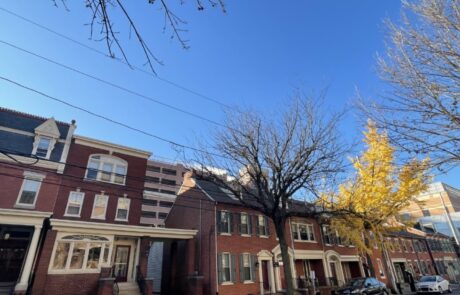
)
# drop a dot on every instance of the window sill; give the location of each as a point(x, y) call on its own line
point(305, 241)
point(227, 283)
point(121, 220)
point(248, 282)
point(246, 235)
point(264, 236)
point(70, 215)
point(100, 218)
point(72, 271)
point(24, 206)
point(103, 181)
point(225, 234)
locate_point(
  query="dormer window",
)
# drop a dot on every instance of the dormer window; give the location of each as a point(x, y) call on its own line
point(46, 136)
point(107, 168)
point(43, 147)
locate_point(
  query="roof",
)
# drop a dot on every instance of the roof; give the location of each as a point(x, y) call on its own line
point(83, 140)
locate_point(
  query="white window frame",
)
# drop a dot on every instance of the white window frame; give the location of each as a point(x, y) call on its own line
point(50, 146)
point(230, 266)
point(265, 225)
point(34, 177)
point(105, 208)
point(127, 213)
point(310, 230)
point(105, 246)
point(81, 204)
point(248, 223)
point(229, 222)
point(107, 159)
point(251, 268)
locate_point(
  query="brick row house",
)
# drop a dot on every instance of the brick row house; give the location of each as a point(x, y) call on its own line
point(236, 251)
point(70, 211)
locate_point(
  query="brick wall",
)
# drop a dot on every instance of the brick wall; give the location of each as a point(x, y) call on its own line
point(74, 178)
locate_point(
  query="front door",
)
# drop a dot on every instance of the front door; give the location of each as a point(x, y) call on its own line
point(334, 281)
point(265, 278)
point(121, 262)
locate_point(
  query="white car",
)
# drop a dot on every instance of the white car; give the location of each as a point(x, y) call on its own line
point(432, 284)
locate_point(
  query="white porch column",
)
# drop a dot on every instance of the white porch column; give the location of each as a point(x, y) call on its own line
point(27, 268)
point(136, 258)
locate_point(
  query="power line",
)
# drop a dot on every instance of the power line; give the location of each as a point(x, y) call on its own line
point(177, 85)
point(108, 119)
point(114, 85)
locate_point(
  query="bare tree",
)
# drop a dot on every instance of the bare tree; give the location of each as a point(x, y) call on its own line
point(421, 109)
point(102, 24)
point(272, 161)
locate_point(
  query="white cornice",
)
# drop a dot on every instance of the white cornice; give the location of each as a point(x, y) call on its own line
point(111, 147)
point(23, 217)
point(28, 160)
point(121, 229)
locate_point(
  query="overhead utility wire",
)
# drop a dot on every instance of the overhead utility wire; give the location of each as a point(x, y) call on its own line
point(111, 84)
point(10, 154)
point(113, 58)
point(108, 119)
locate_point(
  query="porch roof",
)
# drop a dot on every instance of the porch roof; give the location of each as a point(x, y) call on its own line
point(121, 229)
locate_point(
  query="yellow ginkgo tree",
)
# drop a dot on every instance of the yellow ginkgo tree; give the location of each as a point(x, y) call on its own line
point(366, 205)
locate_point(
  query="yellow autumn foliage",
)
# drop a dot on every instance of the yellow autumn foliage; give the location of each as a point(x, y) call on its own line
point(366, 206)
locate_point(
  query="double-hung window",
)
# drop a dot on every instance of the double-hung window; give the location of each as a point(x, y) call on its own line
point(43, 147)
point(74, 204)
point(302, 232)
point(262, 226)
point(99, 206)
point(226, 268)
point(122, 209)
point(247, 268)
point(107, 168)
point(224, 222)
point(245, 224)
point(29, 189)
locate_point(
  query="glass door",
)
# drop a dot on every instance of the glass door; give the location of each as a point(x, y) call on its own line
point(121, 263)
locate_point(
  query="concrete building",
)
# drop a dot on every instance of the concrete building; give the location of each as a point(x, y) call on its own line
point(436, 209)
point(162, 182)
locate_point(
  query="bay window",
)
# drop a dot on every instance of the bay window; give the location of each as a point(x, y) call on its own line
point(80, 253)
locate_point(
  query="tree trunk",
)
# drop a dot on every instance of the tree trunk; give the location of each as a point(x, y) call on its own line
point(280, 226)
point(370, 265)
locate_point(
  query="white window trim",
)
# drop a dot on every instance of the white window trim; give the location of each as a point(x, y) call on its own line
point(109, 159)
point(81, 205)
point(310, 229)
point(30, 176)
point(247, 224)
point(105, 209)
point(229, 226)
point(229, 267)
point(67, 269)
point(251, 270)
point(50, 146)
point(127, 213)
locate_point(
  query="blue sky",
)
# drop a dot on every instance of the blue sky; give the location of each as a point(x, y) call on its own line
point(255, 55)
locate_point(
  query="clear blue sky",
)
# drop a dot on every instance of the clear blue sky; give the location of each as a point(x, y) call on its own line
point(254, 56)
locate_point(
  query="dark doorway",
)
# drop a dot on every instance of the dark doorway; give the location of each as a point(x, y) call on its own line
point(13, 248)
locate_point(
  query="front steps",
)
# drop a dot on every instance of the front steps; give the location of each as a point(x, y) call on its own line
point(128, 288)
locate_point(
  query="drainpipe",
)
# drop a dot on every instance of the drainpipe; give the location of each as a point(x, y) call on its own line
point(390, 268)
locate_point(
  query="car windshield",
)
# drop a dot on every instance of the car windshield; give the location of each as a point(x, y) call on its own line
point(428, 279)
point(356, 282)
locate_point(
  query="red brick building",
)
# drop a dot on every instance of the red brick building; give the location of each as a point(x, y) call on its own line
point(236, 250)
point(32, 149)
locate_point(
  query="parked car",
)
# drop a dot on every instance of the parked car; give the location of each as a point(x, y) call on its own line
point(432, 284)
point(367, 286)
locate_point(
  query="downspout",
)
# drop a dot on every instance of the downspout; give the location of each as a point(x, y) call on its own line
point(390, 267)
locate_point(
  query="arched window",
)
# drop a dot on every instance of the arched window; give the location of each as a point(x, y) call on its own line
point(107, 168)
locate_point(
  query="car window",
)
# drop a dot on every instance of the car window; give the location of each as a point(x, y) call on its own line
point(428, 279)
